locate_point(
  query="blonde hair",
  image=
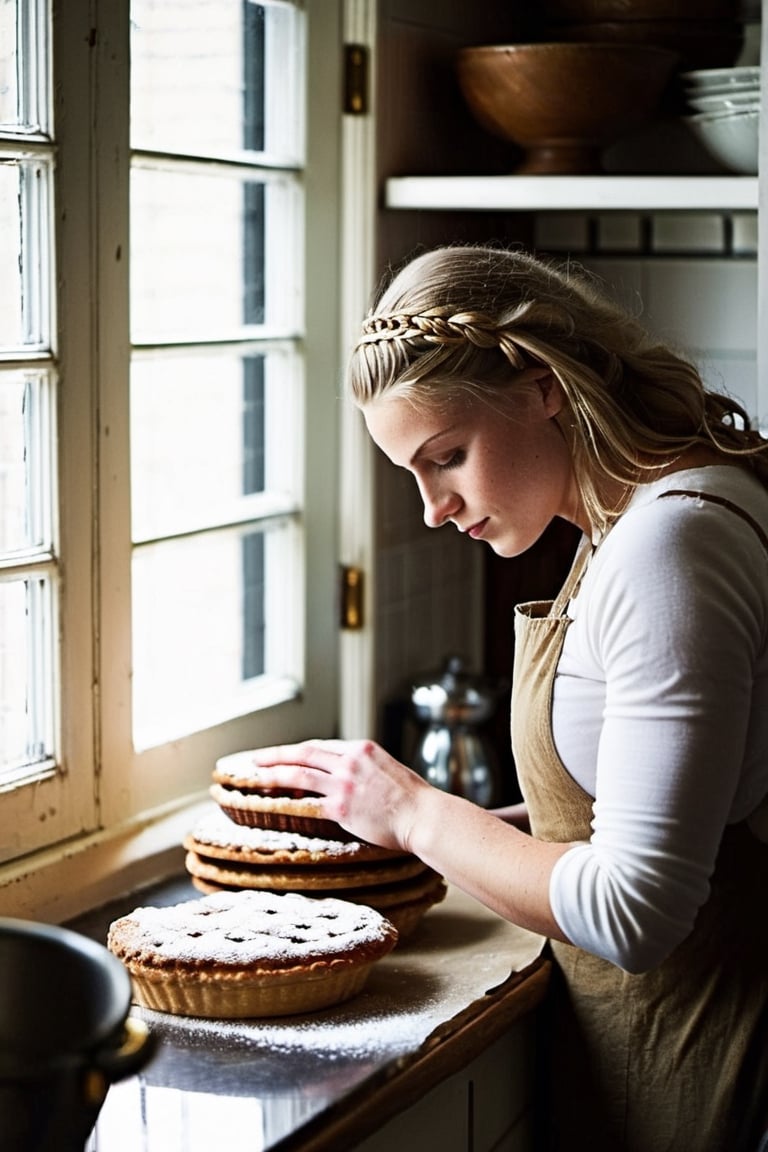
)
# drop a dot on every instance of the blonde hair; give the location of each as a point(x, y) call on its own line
point(454, 320)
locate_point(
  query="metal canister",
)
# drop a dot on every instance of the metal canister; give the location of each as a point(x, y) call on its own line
point(452, 752)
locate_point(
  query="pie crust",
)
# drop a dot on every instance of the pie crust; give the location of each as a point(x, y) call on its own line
point(250, 953)
point(403, 903)
point(280, 813)
point(300, 878)
point(218, 837)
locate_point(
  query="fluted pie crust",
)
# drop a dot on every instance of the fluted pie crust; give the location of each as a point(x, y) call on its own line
point(250, 954)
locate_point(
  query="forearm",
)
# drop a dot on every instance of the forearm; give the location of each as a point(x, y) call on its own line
point(516, 814)
point(504, 868)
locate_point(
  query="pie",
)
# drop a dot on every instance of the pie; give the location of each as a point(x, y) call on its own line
point(250, 953)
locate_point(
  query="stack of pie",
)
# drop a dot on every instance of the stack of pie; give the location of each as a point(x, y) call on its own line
point(257, 840)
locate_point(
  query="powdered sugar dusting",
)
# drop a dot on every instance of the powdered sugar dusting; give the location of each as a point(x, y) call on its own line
point(220, 831)
point(241, 928)
point(328, 1034)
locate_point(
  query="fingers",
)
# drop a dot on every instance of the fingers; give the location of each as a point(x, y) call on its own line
point(284, 757)
point(324, 755)
point(309, 766)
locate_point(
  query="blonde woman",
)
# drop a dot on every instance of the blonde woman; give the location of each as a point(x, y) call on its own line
point(514, 392)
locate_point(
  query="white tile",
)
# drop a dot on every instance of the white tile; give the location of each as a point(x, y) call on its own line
point(744, 233)
point(687, 232)
point(562, 231)
point(703, 304)
point(619, 232)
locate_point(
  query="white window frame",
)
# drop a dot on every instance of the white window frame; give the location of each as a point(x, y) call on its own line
point(113, 816)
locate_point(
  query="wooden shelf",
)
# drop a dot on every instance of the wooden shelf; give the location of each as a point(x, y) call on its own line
point(577, 193)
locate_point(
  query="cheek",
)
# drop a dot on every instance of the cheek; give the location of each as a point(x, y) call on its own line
point(532, 466)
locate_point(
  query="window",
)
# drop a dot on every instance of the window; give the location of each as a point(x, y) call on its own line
point(168, 335)
point(216, 371)
point(29, 574)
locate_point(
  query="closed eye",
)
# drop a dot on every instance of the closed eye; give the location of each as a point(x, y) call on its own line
point(453, 461)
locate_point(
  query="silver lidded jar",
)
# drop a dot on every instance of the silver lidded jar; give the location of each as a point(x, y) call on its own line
point(452, 752)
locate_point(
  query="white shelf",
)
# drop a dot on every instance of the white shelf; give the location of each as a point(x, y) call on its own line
point(584, 193)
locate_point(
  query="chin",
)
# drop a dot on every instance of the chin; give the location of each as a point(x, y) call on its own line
point(509, 549)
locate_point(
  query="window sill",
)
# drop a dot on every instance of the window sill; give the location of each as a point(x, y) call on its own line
point(66, 880)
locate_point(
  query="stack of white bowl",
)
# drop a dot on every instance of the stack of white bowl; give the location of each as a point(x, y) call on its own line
point(723, 113)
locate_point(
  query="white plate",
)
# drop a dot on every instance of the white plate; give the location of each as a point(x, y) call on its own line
point(703, 77)
point(737, 102)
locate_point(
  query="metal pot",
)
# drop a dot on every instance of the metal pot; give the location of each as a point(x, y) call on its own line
point(452, 752)
point(65, 1035)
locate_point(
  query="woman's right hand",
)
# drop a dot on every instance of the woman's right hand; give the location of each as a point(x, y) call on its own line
point(364, 789)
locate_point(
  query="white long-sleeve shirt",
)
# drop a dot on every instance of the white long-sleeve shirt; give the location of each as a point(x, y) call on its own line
point(660, 711)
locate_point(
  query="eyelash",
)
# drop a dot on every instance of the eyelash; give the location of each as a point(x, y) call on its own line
point(455, 461)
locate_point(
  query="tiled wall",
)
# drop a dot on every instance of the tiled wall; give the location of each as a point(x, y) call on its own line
point(693, 276)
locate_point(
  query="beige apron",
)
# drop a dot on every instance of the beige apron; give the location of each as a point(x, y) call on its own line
point(673, 1060)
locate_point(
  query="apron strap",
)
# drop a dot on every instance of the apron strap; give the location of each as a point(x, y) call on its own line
point(573, 579)
point(713, 499)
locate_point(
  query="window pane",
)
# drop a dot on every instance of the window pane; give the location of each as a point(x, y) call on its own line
point(26, 703)
point(209, 432)
point(25, 482)
point(212, 254)
point(24, 255)
point(210, 640)
point(211, 77)
point(23, 66)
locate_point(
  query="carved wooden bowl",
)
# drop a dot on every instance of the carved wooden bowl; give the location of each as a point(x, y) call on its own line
point(563, 103)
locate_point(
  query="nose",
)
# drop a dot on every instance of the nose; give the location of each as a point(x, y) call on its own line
point(440, 505)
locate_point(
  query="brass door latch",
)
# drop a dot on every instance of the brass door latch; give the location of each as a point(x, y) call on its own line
point(351, 597)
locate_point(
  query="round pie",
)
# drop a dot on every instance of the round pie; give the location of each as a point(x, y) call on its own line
point(246, 801)
point(250, 953)
point(238, 771)
point(278, 812)
point(403, 902)
point(301, 878)
point(218, 837)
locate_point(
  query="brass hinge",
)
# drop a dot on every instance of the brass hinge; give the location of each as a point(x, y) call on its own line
point(351, 597)
point(356, 79)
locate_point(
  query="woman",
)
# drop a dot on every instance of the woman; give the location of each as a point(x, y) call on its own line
point(514, 393)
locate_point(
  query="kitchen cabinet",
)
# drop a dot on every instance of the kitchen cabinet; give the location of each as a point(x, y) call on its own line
point(484, 1108)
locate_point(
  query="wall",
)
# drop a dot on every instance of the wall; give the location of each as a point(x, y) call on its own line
point(692, 277)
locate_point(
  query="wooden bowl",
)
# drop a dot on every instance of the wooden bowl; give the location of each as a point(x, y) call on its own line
point(563, 103)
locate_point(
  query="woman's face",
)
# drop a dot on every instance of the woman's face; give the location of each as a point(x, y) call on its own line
point(499, 471)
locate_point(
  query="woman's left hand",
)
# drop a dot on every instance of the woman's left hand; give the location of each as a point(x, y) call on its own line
point(365, 790)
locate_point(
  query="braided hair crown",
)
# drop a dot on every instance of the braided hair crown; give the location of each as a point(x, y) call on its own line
point(440, 327)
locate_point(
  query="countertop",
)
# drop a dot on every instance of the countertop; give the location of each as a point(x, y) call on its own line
point(324, 1081)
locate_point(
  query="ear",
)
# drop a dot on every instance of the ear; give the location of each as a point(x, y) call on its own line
point(549, 389)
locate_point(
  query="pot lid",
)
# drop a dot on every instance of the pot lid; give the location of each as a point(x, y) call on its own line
point(454, 694)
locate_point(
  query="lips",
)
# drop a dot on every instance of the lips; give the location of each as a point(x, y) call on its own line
point(476, 530)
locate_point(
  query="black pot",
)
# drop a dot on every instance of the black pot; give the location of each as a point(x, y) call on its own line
point(65, 1035)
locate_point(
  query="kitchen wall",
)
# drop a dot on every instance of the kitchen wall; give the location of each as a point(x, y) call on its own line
point(691, 276)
